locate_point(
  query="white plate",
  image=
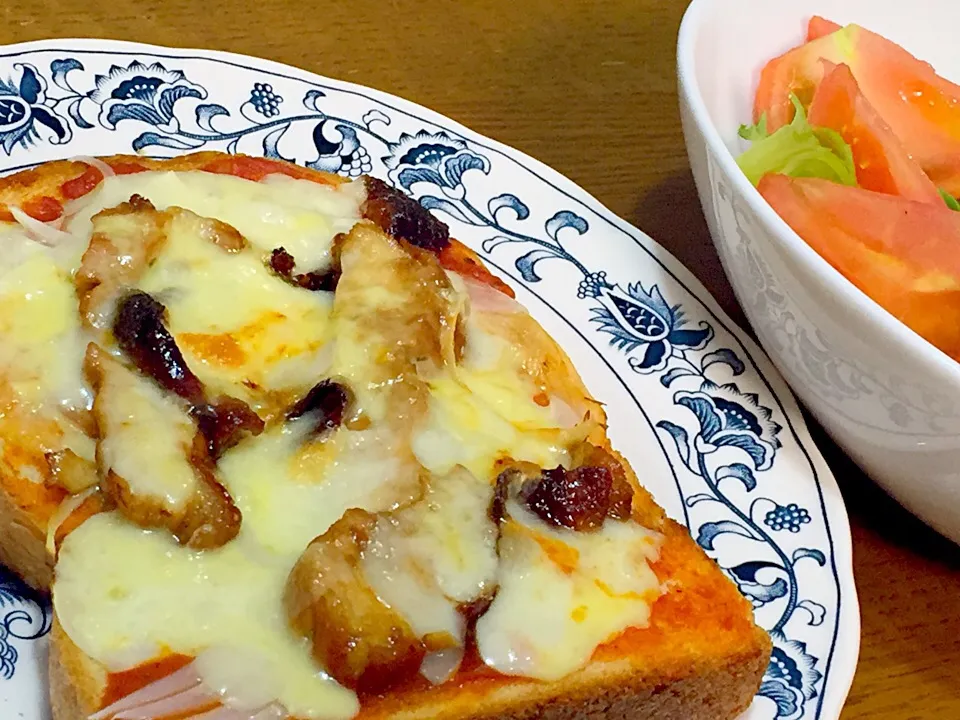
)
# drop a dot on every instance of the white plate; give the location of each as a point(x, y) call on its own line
point(693, 403)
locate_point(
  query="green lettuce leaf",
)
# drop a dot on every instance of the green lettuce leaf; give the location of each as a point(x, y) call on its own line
point(797, 150)
point(949, 199)
point(756, 132)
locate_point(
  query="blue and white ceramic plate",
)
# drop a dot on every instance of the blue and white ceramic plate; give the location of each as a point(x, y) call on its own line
point(692, 401)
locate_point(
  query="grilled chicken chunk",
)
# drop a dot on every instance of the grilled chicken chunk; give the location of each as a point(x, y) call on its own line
point(125, 240)
point(177, 488)
point(354, 636)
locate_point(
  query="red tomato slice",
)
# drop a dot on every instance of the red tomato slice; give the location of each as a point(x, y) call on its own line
point(818, 27)
point(902, 253)
point(796, 72)
point(922, 108)
point(881, 162)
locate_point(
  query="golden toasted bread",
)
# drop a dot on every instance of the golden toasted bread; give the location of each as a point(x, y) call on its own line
point(692, 650)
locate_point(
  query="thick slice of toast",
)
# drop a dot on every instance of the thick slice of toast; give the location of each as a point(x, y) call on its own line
point(701, 659)
point(702, 656)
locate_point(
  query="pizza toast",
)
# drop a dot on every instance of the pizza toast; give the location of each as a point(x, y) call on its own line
point(304, 383)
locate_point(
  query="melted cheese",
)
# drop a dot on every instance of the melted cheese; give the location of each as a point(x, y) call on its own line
point(146, 436)
point(42, 347)
point(439, 553)
point(563, 593)
point(125, 595)
point(432, 432)
point(243, 330)
point(122, 594)
point(300, 215)
point(290, 490)
point(484, 410)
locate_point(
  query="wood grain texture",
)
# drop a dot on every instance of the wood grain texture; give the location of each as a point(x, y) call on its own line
point(588, 88)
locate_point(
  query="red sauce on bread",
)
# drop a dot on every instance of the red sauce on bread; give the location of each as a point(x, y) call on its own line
point(126, 168)
point(256, 169)
point(122, 684)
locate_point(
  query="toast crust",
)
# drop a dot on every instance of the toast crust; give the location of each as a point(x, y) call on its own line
point(23, 539)
point(712, 689)
point(701, 658)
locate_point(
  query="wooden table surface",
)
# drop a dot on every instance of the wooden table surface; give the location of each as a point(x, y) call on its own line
point(590, 89)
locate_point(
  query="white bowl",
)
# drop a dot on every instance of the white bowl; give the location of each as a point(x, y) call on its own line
point(889, 399)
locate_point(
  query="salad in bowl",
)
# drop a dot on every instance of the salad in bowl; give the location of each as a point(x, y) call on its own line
point(824, 139)
point(856, 145)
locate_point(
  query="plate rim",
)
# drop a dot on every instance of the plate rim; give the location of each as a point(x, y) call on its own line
point(845, 648)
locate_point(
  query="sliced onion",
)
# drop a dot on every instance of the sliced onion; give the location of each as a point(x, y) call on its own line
point(563, 413)
point(44, 233)
point(63, 511)
point(238, 676)
point(484, 298)
point(197, 698)
point(271, 712)
point(222, 713)
point(439, 666)
point(72, 207)
point(180, 693)
point(100, 165)
point(182, 680)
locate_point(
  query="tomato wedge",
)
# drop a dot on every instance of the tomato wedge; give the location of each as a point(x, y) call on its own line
point(902, 253)
point(796, 72)
point(880, 160)
point(817, 27)
point(922, 108)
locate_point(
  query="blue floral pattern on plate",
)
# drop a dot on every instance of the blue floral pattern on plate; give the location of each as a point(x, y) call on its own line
point(710, 414)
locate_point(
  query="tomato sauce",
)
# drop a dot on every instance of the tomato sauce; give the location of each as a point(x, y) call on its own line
point(83, 184)
point(122, 684)
point(127, 168)
point(255, 169)
point(43, 208)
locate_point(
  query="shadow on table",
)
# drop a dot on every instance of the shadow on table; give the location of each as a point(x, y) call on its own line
point(872, 511)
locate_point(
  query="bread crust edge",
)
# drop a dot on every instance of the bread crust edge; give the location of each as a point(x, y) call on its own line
point(718, 688)
point(710, 687)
